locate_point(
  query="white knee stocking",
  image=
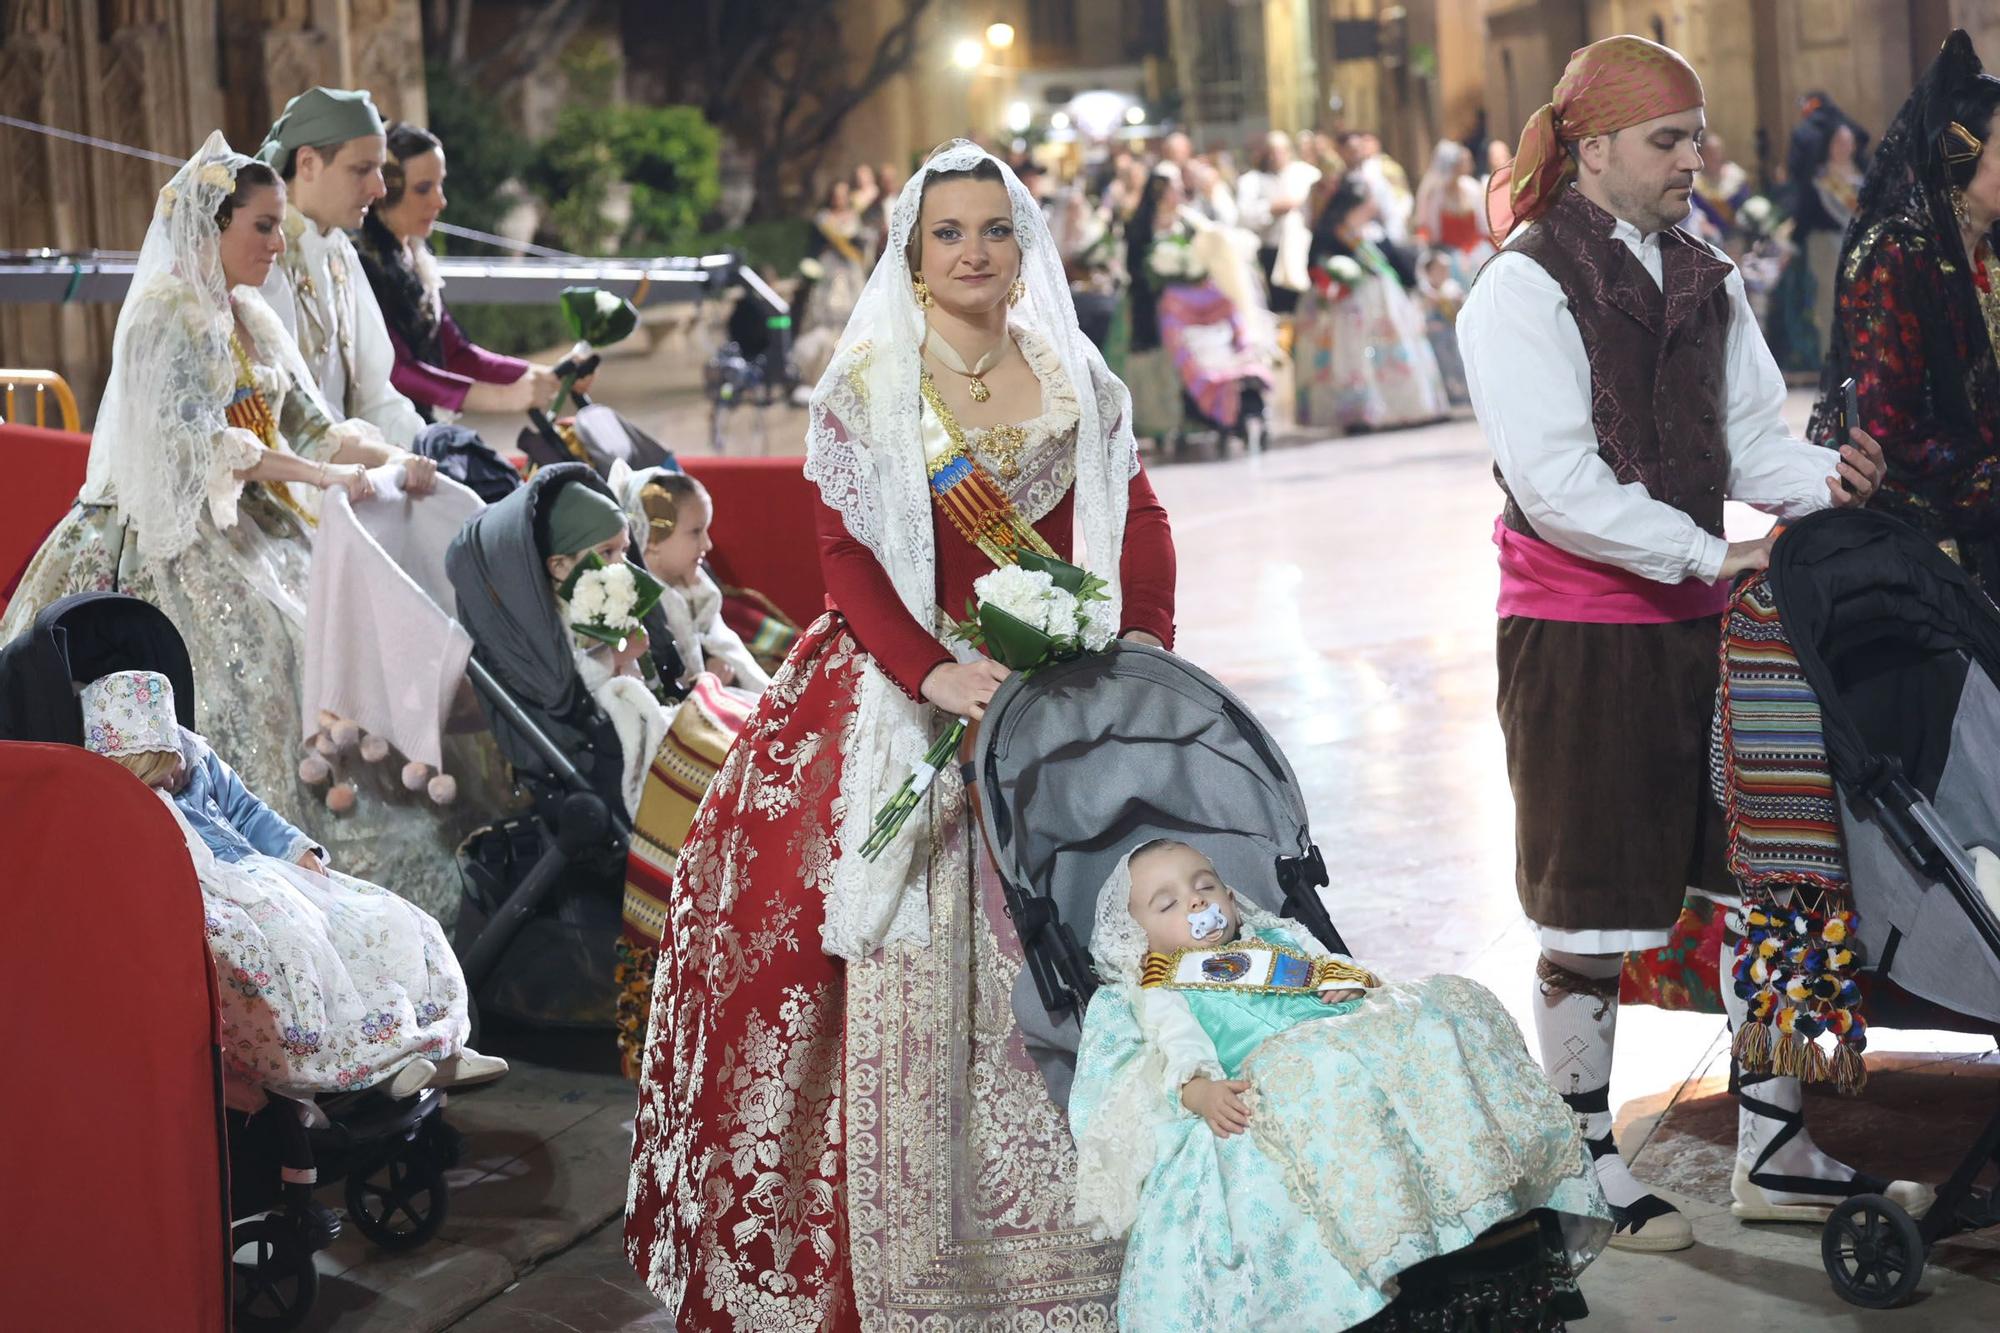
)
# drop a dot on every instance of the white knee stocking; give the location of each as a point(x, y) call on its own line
point(1576, 1021)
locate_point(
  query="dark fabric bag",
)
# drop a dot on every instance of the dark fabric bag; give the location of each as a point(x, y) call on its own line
point(461, 455)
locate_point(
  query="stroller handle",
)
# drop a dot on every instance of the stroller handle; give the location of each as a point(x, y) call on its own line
point(551, 754)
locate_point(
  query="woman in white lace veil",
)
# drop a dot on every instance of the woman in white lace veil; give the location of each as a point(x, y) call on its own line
point(833, 1063)
point(209, 451)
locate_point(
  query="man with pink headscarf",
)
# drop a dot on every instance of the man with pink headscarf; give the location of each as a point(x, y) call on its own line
point(1625, 391)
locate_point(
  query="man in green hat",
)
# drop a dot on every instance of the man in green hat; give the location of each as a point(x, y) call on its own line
point(329, 147)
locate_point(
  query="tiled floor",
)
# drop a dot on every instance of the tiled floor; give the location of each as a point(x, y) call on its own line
point(1345, 590)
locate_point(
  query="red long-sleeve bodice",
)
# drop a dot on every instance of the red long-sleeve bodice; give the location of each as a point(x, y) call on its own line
point(859, 588)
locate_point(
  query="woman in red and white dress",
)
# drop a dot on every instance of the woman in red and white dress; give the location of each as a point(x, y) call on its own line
point(839, 1124)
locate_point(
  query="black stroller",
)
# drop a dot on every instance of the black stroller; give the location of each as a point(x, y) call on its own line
point(1202, 768)
point(543, 891)
point(392, 1154)
point(1902, 652)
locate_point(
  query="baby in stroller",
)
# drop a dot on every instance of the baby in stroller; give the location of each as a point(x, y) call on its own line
point(329, 984)
point(670, 514)
point(1225, 1045)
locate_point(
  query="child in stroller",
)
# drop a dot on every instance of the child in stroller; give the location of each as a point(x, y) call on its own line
point(1216, 1011)
point(615, 774)
point(329, 984)
point(392, 1151)
point(582, 522)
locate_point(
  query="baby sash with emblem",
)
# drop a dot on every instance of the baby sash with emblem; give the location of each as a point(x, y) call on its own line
point(1254, 966)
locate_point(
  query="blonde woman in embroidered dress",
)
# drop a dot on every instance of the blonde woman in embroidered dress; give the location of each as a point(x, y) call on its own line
point(1280, 1134)
point(839, 1126)
point(206, 463)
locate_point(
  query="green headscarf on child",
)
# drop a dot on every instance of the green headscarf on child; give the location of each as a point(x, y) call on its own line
point(581, 518)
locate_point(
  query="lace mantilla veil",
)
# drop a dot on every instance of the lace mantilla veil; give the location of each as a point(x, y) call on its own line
point(864, 452)
point(162, 446)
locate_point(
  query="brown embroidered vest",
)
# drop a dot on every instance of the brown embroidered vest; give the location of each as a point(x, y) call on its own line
point(1657, 354)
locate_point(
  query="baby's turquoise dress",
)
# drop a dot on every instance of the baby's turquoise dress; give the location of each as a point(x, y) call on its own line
point(1386, 1131)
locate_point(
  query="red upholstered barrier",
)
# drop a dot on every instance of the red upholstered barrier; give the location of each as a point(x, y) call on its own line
point(763, 531)
point(44, 471)
point(113, 1175)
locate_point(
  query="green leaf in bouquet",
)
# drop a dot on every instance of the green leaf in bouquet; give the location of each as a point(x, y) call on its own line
point(591, 560)
point(598, 317)
point(1012, 642)
point(650, 591)
point(968, 630)
point(1068, 577)
point(615, 639)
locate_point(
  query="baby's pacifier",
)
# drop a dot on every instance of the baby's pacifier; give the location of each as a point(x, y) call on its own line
point(1207, 922)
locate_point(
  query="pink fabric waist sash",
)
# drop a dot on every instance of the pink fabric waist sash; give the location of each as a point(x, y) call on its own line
point(1545, 582)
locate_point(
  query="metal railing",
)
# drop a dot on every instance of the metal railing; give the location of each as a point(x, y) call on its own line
point(52, 277)
point(43, 385)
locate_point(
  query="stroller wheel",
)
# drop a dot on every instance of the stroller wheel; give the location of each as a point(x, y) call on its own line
point(1873, 1252)
point(272, 1279)
point(399, 1199)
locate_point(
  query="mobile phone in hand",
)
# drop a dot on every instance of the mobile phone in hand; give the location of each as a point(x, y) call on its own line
point(1850, 417)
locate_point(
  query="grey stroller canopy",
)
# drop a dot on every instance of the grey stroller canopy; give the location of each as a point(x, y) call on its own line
point(1081, 761)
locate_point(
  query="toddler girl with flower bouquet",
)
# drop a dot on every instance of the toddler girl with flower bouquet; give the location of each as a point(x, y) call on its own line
point(1278, 1134)
point(327, 984)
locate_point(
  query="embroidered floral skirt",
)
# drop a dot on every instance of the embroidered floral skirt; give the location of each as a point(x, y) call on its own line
point(829, 1146)
point(327, 983)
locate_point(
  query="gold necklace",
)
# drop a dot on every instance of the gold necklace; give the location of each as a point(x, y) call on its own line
point(955, 363)
point(1003, 444)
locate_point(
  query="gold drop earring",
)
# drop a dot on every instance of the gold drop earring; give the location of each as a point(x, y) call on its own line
point(1958, 206)
point(923, 291)
point(1016, 292)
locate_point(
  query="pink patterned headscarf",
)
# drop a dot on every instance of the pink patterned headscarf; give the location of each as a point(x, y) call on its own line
point(1607, 86)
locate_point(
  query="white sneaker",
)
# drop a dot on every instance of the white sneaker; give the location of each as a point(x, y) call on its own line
point(467, 1068)
point(412, 1078)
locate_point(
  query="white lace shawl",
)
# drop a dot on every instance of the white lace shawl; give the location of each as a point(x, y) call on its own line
point(163, 449)
point(863, 451)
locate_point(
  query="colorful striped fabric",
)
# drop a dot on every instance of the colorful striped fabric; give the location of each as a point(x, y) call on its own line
point(1797, 965)
point(705, 725)
point(1777, 786)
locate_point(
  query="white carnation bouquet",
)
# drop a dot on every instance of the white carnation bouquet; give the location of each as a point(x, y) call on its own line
point(607, 602)
point(1172, 259)
point(1024, 616)
point(1343, 274)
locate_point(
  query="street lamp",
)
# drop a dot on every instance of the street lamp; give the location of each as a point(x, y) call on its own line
point(1000, 36)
